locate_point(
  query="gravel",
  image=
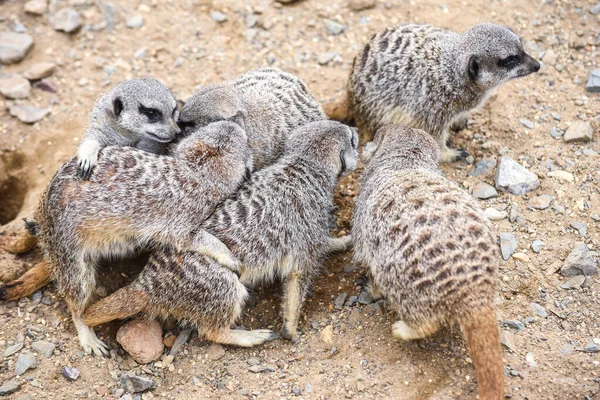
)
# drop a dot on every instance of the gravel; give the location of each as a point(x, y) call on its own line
point(136, 384)
point(508, 244)
point(28, 114)
point(14, 46)
point(580, 227)
point(514, 324)
point(36, 7)
point(67, 20)
point(44, 348)
point(573, 283)
point(24, 362)
point(135, 22)
point(495, 215)
point(334, 28)
point(15, 348)
point(579, 131)
point(512, 177)
point(483, 191)
point(593, 83)
point(71, 373)
point(326, 58)
point(541, 202)
point(15, 87)
point(9, 387)
point(39, 71)
point(339, 301)
point(539, 310)
point(579, 261)
point(537, 246)
point(527, 123)
point(483, 166)
point(218, 16)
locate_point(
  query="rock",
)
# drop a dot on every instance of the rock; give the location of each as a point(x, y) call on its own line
point(513, 213)
point(39, 71)
point(514, 324)
point(36, 7)
point(15, 87)
point(308, 388)
point(365, 297)
point(580, 227)
point(539, 310)
point(508, 244)
point(339, 301)
point(521, 257)
point(595, 10)
point(218, 16)
point(562, 175)
point(327, 334)
point(579, 131)
point(527, 123)
point(142, 339)
point(550, 57)
point(359, 5)
point(9, 387)
point(592, 348)
point(71, 373)
point(530, 360)
point(135, 384)
point(326, 58)
point(182, 338)
point(537, 245)
point(14, 46)
point(102, 391)
point(28, 114)
point(261, 368)
point(593, 83)
point(484, 191)
point(334, 28)
point(215, 352)
point(512, 177)
point(495, 215)
point(24, 362)
point(44, 348)
point(507, 340)
point(579, 261)
point(350, 268)
point(46, 85)
point(556, 133)
point(15, 348)
point(135, 22)
point(483, 166)
point(67, 20)
point(574, 282)
point(541, 202)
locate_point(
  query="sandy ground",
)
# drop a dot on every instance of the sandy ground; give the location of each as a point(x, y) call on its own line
point(184, 47)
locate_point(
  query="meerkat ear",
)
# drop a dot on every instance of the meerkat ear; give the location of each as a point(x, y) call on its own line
point(117, 106)
point(473, 68)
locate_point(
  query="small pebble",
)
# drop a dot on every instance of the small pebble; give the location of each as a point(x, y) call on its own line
point(539, 310)
point(537, 246)
point(71, 373)
point(514, 324)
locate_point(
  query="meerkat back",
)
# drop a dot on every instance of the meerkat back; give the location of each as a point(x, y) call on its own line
point(430, 251)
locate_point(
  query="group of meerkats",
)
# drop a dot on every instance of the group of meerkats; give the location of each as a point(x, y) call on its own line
point(237, 189)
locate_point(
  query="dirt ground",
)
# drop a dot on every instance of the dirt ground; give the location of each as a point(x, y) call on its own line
point(183, 46)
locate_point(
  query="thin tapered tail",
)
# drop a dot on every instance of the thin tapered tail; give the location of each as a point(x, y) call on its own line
point(122, 304)
point(32, 280)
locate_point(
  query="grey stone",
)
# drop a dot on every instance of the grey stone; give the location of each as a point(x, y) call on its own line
point(512, 177)
point(595, 10)
point(550, 57)
point(339, 301)
point(580, 227)
point(591, 348)
point(39, 71)
point(527, 123)
point(67, 20)
point(579, 131)
point(593, 83)
point(261, 368)
point(135, 384)
point(528, 321)
point(108, 11)
point(359, 5)
point(589, 152)
point(14, 46)
point(556, 117)
point(352, 300)
point(574, 282)
point(43, 347)
point(483, 166)
point(9, 387)
point(350, 268)
point(15, 348)
point(36, 7)
point(579, 261)
point(15, 87)
point(365, 297)
point(251, 20)
point(508, 244)
point(24, 362)
point(567, 349)
point(334, 28)
point(71, 373)
point(326, 58)
point(556, 133)
point(513, 214)
point(514, 324)
point(506, 339)
point(308, 388)
point(537, 246)
point(484, 191)
point(218, 16)
point(135, 22)
point(541, 202)
point(28, 114)
point(539, 310)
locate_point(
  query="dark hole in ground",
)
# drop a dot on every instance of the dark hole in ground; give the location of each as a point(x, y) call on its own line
point(12, 196)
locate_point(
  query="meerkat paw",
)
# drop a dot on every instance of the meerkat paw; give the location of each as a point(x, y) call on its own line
point(85, 167)
point(289, 333)
point(401, 330)
point(243, 338)
point(451, 155)
point(230, 262)
point(341, 244)
point(87, 156)
point(460, 124)
point(91, 344)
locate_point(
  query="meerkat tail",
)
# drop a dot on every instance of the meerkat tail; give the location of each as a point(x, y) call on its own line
point(337, 108)
point(340, 244)
point(483, 340)
point(32, 280)
point(123, 303)
point(22, 244)
point(241, 338)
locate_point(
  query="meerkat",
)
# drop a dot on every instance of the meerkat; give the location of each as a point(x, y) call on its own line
point(276, 224)
point(428, 247)
point(273, 102)
point(134, 200)
point(139, 113)
point(427, 78)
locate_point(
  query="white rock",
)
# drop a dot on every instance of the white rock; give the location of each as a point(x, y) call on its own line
point(495, 215)
point(562, 175)
point(39, 71)
point(14, 46)
point(512, 177)
point(15, 87)
point(36, 7)
point(579, 131)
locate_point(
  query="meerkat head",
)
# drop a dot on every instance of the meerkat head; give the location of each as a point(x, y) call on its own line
point(325, 141)
point(493, 54)
point(215, 140)
point(144, 108)
point(402, 147)
point(217, 102)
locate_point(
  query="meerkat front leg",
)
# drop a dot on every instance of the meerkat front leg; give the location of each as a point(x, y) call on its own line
point(87, 337)
point(87, 156)
point(295, 287)
point(208, 244)
point(448, 155)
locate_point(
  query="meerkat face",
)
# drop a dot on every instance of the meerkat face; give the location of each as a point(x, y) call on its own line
point(349, 154)
point(210, 104)
point(145, 108)
point(496, 55)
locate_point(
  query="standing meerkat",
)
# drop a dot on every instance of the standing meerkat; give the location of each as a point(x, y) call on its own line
point(133, 200)
point(429, 250)
point(427, 78)
point(272, 102)
point(276, 224)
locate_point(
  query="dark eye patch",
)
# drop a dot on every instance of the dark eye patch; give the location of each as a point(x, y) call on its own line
point(509, 62)
point(153, 114)
point(185, 125)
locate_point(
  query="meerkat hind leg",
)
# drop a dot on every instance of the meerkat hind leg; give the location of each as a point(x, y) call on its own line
point(208, 244)
point(241, 338)
point(448, 155)
point(401, 330)
point(340, 244)
point(87, 337)
point(294, 290)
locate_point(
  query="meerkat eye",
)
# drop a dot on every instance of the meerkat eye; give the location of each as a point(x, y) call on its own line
point(153, 114)
point(509, 62)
